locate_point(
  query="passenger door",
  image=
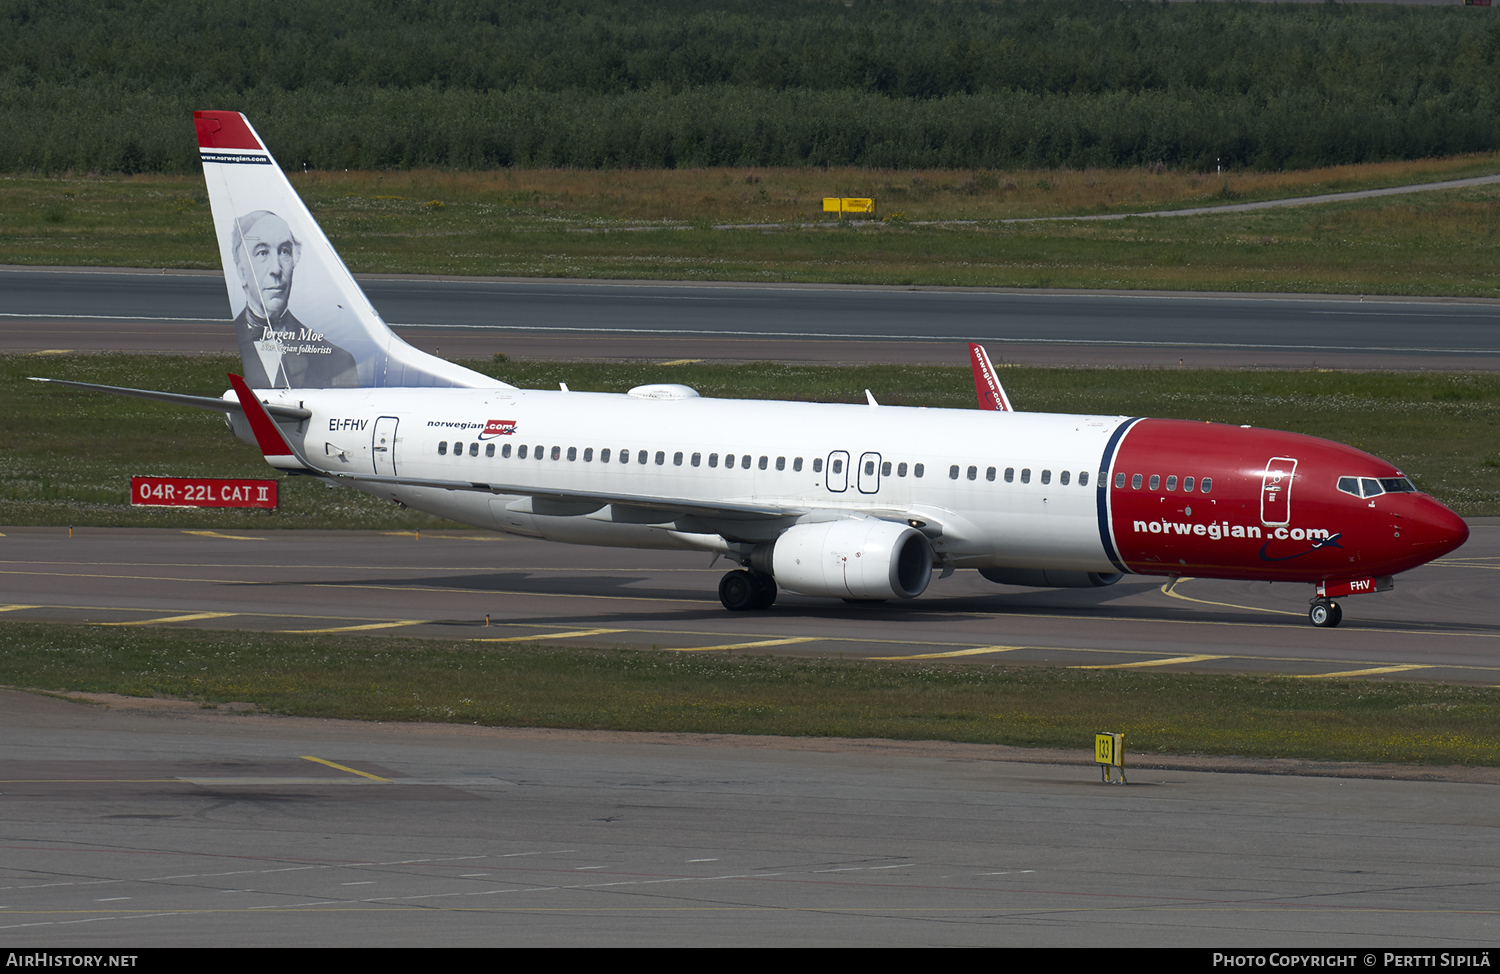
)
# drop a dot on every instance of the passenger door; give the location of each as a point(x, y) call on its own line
point(383, 446)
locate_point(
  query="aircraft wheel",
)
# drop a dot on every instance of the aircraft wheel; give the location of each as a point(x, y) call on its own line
point(765, 590)
point(1324, 614)
point(738, 591)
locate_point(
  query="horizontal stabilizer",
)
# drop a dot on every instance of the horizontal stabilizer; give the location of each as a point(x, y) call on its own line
point(180, 399)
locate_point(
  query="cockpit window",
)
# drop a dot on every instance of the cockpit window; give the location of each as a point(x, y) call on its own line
point(1375, 486)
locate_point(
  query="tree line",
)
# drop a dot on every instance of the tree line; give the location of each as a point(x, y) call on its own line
point(107, 85)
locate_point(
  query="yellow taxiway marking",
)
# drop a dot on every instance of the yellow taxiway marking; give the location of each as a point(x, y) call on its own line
point(1400, 668)
point(226, 537)
point(754, 645)
point(1148, 662)
point(369, 625)
point(960, 652)
point(192, 617)
point(1170, 589)
point(682, 361)
point(12, 608)
point(340, 767)
point(53, 351)
point(548, 635)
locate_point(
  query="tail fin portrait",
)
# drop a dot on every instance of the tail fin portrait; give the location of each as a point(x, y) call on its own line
point(301, 320)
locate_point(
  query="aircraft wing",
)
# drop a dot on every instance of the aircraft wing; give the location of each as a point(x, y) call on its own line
point(278, 450)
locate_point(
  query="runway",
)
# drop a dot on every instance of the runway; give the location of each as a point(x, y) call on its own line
point(1438, 624)
point(159, 827)
point(82, 310)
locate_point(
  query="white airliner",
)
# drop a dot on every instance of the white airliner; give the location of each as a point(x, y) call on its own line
point(858, 502)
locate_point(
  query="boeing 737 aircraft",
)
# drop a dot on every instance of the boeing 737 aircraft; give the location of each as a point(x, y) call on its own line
point(858, 502)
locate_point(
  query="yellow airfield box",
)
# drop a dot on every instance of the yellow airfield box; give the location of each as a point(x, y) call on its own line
point(1109, 751)
point(847, 204)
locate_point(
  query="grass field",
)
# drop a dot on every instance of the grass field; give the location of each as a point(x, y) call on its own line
point(660, 224)
point(66, 456)
point(391, 679)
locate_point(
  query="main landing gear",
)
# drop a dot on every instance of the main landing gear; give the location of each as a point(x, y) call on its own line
point(1325, 613)
point(740, 590)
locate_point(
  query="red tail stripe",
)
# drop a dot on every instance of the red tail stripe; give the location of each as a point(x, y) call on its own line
point(224, 130)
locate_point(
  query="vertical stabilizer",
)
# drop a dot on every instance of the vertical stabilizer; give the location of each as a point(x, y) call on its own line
point(302, 321)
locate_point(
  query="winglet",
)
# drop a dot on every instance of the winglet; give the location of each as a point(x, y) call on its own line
point(986, 384)
point(268, 436)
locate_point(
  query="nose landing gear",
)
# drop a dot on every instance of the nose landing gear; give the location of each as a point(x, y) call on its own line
point(741, 590)
point(1325, 613)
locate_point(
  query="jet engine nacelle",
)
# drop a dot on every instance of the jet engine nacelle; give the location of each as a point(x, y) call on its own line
point(853, 558)
point(1049, 578)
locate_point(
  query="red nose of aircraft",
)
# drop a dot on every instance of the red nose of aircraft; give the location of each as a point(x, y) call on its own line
point(1435, 530)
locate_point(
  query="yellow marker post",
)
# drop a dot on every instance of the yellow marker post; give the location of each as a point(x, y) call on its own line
point(1109, 751)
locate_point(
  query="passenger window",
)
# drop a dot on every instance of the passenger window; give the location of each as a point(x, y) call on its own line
point(973, 473)
point(1010, 475)
point(588, 454)
point(642, 457)
point(869, 468)
point(1207, 485)
point(661, 458)
point(1155, 481)
point(838, 466)
point(918, 470)
point(557, 453)
point(537, 451)
point(1062, 478)
point(1187, 484)
point(572, 454)
point(473, 449)
point(764, 462)
point(1172, 482)
point(1083, 478)
point(885, 469)
point(817, 464)
point(713, 459)
point(953, 472)
point(797, 464)
point(989, 474)
point(901, 470)
point(624, 456)
point(1046, 476)
point(505, 452)
point(489, 449)
point(729, 461)
point(1135, 482)
point(521, 453)
point(677, 459)
point(604, 455)
point(781, 463)
point(1025, 475)
point(442, 448)
point(745, 462)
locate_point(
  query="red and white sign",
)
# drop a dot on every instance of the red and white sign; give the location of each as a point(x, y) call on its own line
point(202, 492)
